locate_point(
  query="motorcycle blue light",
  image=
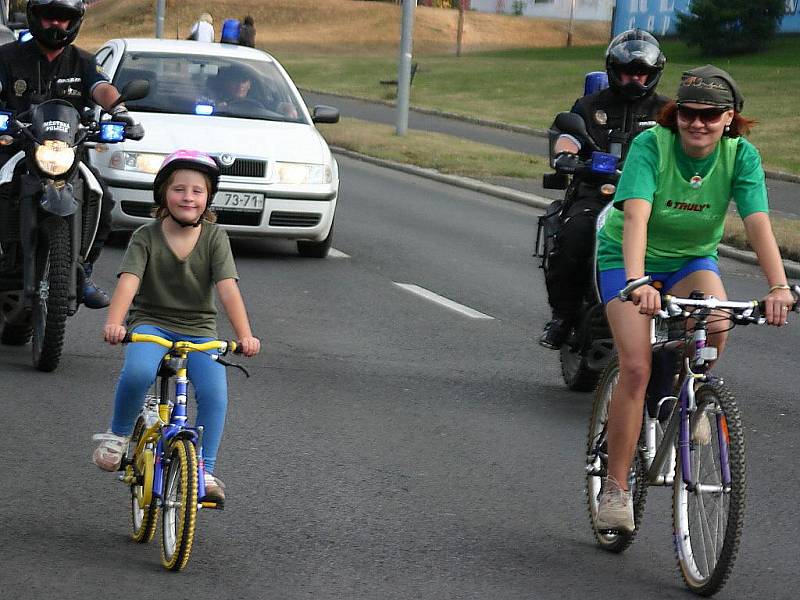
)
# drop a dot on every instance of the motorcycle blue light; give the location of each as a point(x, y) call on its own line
point(602, 162)
point(5, 121)
point(112, 131)
point(204, 109)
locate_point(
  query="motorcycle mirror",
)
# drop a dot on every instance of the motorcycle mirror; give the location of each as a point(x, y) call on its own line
point(568, 122)
point(134, 90)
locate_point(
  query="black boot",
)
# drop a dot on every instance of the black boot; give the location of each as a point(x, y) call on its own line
point(554, 333)
point(93, 296)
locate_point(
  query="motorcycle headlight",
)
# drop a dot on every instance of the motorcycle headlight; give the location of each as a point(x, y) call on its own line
point(140, 162)
point(54, 157)
point(302, 173)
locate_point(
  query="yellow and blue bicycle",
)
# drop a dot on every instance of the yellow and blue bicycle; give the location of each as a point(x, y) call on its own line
point(164, 463)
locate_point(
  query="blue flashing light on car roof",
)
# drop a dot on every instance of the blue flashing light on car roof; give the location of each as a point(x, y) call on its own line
point(204, 109)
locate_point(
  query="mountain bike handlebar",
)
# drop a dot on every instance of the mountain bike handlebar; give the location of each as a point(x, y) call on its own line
point(224, 346)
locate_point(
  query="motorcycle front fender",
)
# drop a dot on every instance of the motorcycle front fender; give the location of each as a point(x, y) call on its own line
point(59, 201)
point(7, 171)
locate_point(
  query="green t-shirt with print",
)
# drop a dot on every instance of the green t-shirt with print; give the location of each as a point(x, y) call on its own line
point(687, 217)
point(177, 294)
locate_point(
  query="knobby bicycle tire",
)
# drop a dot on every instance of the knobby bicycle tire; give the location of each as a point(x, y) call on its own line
point(180, 505)
point(706, 577)
point(617, 542)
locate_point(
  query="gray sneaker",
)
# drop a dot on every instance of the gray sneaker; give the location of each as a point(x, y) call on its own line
point(614, 508)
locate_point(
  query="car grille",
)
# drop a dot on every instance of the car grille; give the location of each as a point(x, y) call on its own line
point(224, 217)
point(137, 209)
point(290, 219)
point(245, 167)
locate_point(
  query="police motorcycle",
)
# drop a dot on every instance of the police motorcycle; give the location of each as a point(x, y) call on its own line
point(589, 344)
point(49, 216)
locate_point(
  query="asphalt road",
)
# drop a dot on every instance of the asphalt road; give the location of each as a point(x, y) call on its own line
point(782, 195)
point(386, 446)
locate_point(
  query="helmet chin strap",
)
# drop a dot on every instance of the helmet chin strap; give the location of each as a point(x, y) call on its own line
point(184, 223)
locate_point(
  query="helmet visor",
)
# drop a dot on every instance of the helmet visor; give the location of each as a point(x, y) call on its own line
point(635, 51)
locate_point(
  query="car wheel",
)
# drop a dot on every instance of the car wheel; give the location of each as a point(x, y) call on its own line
point(308, 249)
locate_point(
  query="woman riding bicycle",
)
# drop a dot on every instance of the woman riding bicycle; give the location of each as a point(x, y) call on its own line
point(167, 279)
point(671, 204)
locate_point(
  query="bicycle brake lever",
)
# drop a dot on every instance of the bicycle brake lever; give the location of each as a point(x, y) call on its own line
point(225, 363)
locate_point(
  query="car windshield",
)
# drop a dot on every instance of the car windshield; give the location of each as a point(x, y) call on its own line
point(210, 85)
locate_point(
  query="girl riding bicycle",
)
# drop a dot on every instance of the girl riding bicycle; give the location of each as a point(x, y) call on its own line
point(671, 203)
point(166, 279)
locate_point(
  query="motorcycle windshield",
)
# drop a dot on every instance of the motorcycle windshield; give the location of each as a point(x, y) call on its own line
point(55, 120)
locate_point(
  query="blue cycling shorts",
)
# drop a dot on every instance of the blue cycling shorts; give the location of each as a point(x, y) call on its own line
point(612, 281)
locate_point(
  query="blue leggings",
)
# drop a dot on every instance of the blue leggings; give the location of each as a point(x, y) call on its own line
point(206, 375)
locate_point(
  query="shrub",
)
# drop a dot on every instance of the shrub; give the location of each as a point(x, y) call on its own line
point(720, 27)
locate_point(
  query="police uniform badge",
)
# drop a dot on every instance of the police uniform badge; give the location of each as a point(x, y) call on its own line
point(600, 117)
point(20, 85)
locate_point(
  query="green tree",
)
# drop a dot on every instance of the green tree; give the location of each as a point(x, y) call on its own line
point(720, 27)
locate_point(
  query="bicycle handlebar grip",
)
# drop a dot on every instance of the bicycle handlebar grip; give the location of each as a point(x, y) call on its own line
point(235, 348)
point(128, 338)
point(625, 293)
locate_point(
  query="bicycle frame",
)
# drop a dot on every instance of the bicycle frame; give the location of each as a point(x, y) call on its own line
point(664, 454)
point(172, 420)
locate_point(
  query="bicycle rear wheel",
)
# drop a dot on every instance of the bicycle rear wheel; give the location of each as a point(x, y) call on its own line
point(708, 519)
point(597, 465)
point(144, 514)
point(180, 506)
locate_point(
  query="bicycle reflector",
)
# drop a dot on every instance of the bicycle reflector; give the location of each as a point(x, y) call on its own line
point(204, 109)
point(5, 120)
point(112, 131)
point(602, 162)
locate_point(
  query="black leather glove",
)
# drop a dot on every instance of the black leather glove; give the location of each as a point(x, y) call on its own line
point(566, 162)
point(133, 130)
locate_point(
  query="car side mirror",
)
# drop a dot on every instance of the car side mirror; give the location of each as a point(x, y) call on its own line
point(325, 114)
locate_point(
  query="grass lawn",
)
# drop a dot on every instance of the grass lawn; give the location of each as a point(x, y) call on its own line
point(444, 153)
point(529, 86)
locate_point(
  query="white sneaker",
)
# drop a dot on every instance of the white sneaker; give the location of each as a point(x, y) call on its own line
point(108, 455)
point(615, 508)
point(701, 429)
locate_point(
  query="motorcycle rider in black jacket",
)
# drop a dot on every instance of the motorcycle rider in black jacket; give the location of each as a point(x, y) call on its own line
point(629, 105)
point(49, 66)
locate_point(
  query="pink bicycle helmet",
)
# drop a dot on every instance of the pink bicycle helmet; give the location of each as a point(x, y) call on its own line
point(187, 159)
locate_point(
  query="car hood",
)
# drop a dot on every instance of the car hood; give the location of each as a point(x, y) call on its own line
point(272, 140)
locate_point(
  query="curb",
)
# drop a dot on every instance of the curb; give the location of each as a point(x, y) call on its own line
point(534, 200)
point(771, 174)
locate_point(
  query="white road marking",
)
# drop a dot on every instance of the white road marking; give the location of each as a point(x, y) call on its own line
point(446, 302)
point(334, 253)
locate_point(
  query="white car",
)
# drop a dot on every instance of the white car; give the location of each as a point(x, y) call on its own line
point(279, 178)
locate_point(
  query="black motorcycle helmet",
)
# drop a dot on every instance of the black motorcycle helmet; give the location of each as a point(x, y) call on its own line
point(53, 37)
point(638, 51)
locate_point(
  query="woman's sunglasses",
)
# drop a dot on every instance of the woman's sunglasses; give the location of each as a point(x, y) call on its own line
point(706, 115)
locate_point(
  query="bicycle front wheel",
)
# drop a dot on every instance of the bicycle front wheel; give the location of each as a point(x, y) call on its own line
point(180, 506)
point(597, 465)
point(708, 517)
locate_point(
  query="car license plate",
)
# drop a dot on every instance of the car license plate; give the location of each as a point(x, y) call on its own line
point(239, 201)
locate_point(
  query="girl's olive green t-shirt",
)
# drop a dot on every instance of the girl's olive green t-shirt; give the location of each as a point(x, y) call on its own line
point(177, 294)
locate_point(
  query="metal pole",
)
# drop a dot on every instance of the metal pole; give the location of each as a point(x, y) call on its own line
point(160, 10)
point(460, 35)
point(404, 72)
point(571, 23)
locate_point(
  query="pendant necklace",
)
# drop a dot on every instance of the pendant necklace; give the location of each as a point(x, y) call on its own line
point(696, 181)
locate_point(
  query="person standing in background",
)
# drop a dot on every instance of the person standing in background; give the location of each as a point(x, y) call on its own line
point(203, 29)
point(247, 33)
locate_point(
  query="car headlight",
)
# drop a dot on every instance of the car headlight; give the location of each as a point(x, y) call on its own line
point(140, 162)
point(54, 157)
point(302, 173)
